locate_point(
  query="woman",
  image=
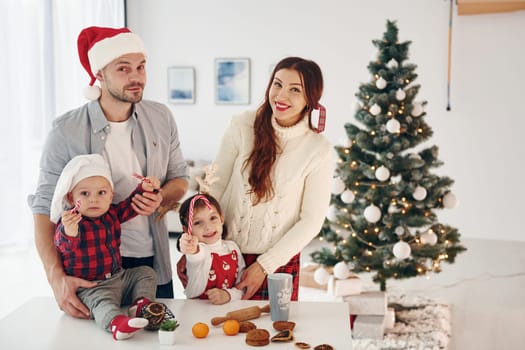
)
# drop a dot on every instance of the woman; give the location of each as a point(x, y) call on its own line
point(274, 173)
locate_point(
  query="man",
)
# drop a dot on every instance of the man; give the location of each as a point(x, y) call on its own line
point(135, 137)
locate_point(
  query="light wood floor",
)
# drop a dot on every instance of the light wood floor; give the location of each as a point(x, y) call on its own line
point(485, 288)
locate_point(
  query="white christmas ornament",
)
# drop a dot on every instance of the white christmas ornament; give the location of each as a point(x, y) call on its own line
point(429, 238)
point(332, 213)
point(381, 83)
point(372, 213)
point(382, 173)
point(347, 196)
point(393, 126)
point(321, 276)
point(417, 109)
point(341, 271)
point(401, 250)
point(450, 201)
point(392, 63)
point(400, 94)
point(420, 193)
point(395, 179)
point(399, 230)
point(375, 109)
point(338, 186)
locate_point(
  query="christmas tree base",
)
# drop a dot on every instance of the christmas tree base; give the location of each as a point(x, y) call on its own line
point(421, 323)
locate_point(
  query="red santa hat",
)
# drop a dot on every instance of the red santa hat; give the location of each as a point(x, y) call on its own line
point(98, 46)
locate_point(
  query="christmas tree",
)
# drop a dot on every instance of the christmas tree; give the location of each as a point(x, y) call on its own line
point(384, 196)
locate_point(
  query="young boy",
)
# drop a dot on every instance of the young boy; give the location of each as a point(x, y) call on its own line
point(87, 236)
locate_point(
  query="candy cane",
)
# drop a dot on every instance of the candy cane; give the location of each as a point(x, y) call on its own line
point(192, 204)
point(76, 208)
point(144, 179)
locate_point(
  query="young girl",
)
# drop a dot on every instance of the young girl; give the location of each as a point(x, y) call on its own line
point(214, 265)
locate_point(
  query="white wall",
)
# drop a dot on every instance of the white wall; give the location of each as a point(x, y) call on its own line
point(479, 139)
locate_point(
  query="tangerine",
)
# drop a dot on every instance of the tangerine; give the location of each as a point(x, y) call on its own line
point(200, 330)
point(231, 327)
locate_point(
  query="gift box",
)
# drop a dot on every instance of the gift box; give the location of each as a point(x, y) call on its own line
point(349, 286)
point(367, 303)
point(306, 276)
point(390, 318)
point(369, 326)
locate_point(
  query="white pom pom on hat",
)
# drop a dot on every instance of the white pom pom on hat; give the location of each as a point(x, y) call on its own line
point(98, 46)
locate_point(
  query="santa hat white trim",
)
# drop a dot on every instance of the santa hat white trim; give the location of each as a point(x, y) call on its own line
point(105, 51)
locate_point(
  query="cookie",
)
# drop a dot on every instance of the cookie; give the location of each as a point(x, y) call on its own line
point(246, 326)
point(283, 325)
point(258, 337)
point(283, 336)
point(324, 347)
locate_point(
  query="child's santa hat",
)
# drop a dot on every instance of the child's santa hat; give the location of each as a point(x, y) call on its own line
point(98, 46)
point(78, 168)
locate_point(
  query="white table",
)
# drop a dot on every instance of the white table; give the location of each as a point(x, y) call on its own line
point(39, 324)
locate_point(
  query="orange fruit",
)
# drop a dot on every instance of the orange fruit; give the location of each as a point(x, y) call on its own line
point(200, 330)
point(231, 327)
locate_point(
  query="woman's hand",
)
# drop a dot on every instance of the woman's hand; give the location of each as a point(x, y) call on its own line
point(251, 280)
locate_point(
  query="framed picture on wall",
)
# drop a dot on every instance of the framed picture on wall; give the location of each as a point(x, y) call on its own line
point(232, 81)
point(181, 85)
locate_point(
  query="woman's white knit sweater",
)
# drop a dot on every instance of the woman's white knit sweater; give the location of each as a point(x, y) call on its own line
point(302, 175)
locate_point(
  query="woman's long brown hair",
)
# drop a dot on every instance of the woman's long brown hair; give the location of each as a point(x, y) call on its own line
point(265, 146)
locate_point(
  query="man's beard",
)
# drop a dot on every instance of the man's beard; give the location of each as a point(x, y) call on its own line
point(127, 97)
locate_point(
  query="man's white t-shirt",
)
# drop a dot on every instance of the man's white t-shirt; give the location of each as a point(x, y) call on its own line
point(136, 240)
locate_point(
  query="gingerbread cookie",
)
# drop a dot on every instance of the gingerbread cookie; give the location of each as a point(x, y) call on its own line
point(258, 337)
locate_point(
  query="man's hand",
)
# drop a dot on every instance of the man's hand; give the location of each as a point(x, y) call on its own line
point(218, 296)
point(252, 279)
point(146, 203)
point(65, 290)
